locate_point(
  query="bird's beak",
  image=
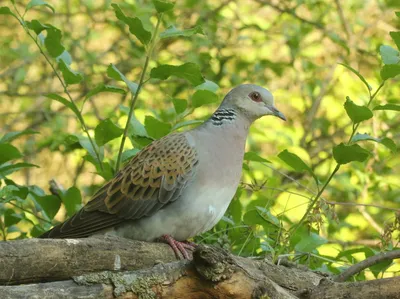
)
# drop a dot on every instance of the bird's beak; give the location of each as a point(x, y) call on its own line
point(277, 113)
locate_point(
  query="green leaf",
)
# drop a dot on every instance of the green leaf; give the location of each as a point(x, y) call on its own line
point(393, 107)
point(7, 192)
point(107, 173)
point(87, 145)
point(70, 76)
point(72, 200)
point(389, 55)
point(128, 154)
point(10, 136)
point(295, 162)
point(186, 123)
point(8, 169)
point(135, 127)
point(236, 208)
point(361, 137)
point(381, 267)
point(358, 75)
point(389, 143)
point(162, 6)
point(104, 88)
point(36, 26)
point(135, 25)
point(344, 154)
point(390, 71)
point(114, 73)
point(11, 218)
point(348, 254)
point(4, 10)
point(208, 85)
point(357, 113)
point(179, 105)
point(203, 97)
point(267, 215)
point(189, 71)
point(396, 38)
point(34, 3)
point(253, 217)
point(53, 41)
point(105, 131)
point(66, 103)
point(252, 156)
point(8, 152)
point(156, 128)
point(310, 242)
point(49, 203)
point(172, 31)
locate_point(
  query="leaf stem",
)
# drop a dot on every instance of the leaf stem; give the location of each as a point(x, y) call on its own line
point(135, 96)
point(64, 85)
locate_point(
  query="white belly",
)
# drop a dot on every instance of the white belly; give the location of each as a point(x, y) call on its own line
point(187, 217)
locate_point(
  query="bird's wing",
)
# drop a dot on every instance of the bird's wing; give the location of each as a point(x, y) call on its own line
point(153, 178)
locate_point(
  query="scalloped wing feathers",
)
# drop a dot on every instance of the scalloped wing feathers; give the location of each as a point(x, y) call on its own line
point(153, 178)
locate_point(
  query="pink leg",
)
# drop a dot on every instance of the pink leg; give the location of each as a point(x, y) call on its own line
point(180, 248)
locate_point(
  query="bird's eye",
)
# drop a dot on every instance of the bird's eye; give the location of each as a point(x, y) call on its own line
point(255, 96)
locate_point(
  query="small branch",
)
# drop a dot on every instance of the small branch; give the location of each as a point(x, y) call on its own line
point(360, 204)
point(370, 219)
point(83, 124)
point(311, 205)
point(373, 260)
point(342, 18)
point(135, 96)
point(292, 13)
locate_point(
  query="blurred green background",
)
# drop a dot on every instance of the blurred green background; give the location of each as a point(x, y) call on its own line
point(293, 48)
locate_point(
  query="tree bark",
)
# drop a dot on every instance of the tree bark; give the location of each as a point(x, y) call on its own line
point(119, 268)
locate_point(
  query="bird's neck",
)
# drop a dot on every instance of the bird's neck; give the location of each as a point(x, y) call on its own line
point(223, 116)
point(229, 120)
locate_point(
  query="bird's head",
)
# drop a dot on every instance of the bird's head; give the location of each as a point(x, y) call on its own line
point(252, 100)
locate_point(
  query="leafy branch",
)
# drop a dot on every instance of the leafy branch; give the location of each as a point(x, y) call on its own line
point(136, 94)
point(71, 104)
point(338, 165)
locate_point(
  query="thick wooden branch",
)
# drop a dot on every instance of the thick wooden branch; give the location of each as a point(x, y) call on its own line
point(113, 267)
point(387, 288)
point(39, 260)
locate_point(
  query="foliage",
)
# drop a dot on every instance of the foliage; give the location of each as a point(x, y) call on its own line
point(327, 196)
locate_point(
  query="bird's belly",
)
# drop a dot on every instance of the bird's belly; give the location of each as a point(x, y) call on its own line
point(187, 217)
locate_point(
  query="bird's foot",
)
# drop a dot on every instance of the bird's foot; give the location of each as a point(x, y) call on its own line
point(180, 248)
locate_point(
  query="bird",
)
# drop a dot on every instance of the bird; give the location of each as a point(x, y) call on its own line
point(179, 186)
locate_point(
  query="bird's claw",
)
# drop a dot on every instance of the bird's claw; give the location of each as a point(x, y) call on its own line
point(180, 248)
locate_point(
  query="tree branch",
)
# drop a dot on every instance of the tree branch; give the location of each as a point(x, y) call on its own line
point(372, 260)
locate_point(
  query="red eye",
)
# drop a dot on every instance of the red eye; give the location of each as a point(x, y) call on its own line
point(255, 96)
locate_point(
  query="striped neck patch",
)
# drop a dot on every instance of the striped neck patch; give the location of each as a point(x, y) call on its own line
point(222, 116)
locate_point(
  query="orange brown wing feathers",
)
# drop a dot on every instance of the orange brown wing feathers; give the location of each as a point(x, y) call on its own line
point(153, 178)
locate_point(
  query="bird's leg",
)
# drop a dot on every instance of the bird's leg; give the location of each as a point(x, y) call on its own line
point(180, 248)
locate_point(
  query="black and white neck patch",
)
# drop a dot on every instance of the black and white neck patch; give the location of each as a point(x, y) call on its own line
point(223, 115)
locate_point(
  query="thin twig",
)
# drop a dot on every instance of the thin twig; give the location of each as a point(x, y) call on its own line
point(135, 96)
